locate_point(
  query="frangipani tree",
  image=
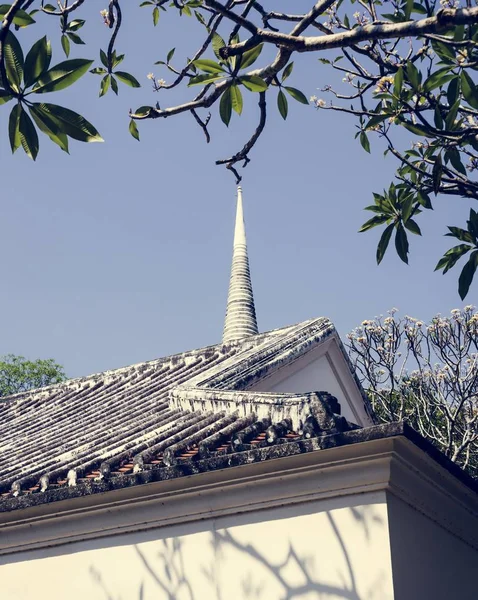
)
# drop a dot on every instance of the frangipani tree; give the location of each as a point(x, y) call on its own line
point(427, 373)
point(408, 66)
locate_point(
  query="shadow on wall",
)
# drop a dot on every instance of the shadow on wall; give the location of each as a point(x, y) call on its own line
point(228, 567)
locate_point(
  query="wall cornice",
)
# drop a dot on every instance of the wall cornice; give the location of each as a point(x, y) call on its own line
point(394, 465)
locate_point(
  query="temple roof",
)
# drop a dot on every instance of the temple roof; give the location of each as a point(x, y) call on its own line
point(160, 413)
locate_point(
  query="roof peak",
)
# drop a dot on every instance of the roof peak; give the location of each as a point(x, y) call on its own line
point(240, 312)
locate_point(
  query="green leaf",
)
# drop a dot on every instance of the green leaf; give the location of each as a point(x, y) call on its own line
point(398, 82)
point(376, 120)
point(454, 156)
point(13, 131)
point(374, 222)
point(469, 90)
point(98, 71)
point(424, 200)
point(201, 19)
point(451, 117)
point(453, 91)
point(438, 79)
point(217, 43)
point(21, 18)
point(5, 97)
point(236, 98)
point(437, 118)
point(143, 111)
point(297, 95)
point(225, 107)
point(28, 135)
point(437, 173)
point(155, 15)
point(407, 207)
point(128, 79)
point(73, 124)
point(62, 75)
point(65, 44)
point(133, 129)
point(472, 224)
point(383, 243)
point(49, 126)
point(76, 24)
point(14, 62)
point(460, 234)
point(287, 71)
point(467, 274)
point(451, 257)
point(413, 75)
point(114, 85)
point(105, 84)
point(416, 129)
point(459, 33)
point(203, 79)
point(412, 226)
point(117, 59)
point(253, 83)
point(444, 51)
point(250, 56)
point(75, 38)
point(37, 61)
point(170, 55)
point(401, 243)
point(364, 141)
point(104, 58)
point(208, 66)
point(282, 104)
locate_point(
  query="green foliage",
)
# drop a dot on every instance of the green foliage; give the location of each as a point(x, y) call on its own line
point(451, 257)
point(32, 75)
point(110, 76)
point(423, 84)
point(17, 374)
point(429, 90)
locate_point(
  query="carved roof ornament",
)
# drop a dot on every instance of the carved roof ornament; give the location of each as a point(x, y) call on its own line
point(240, 319)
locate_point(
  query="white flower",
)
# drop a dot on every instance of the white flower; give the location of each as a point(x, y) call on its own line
point(104, 13)
point(150, 75)
point(161, 82)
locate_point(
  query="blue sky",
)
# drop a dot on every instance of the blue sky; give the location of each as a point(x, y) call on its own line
point(121, 251)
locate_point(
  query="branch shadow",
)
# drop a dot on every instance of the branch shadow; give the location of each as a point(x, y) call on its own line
point(297, 574)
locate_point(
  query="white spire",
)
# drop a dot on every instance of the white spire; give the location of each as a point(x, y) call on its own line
point(240, 313)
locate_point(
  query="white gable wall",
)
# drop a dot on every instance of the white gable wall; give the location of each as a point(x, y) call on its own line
point(322, 369)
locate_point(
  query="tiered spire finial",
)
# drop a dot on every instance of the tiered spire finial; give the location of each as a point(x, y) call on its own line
point(240, 313)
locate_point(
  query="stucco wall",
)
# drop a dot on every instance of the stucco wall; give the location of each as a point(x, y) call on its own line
point(327, 549)
point(427, 560)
